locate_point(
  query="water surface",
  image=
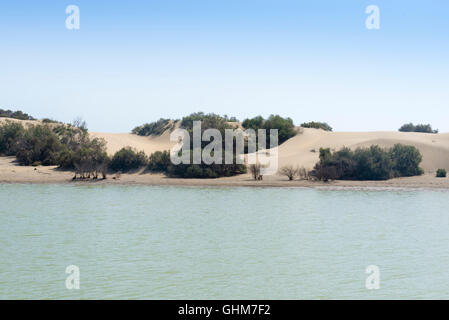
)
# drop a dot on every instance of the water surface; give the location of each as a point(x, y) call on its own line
point(144, 242)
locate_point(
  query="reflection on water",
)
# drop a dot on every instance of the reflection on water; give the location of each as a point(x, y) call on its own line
point(139, 242)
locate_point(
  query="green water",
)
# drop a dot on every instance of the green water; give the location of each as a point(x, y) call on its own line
point(138, 242)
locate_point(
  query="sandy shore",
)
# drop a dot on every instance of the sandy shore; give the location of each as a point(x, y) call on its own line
point(301, 150)
point(11, 172)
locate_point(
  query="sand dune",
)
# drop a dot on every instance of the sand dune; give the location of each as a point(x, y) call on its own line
point(303, 149)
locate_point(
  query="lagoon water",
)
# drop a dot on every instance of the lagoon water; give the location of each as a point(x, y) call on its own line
point(147, 242)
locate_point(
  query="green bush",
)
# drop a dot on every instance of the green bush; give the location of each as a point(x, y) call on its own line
point(373, 163)
point(91, 159)
point(208, 121)
point(317, 125)
point(15, 115)
point(423, 128)
point(406, 161)
point(10, 136)
point(441, 173)
point(48, 120)
point(285, 126)
point(159, 161)
point(67, 146)
point(205, 171)
point(255, 123)
point(127, 159)
point(154, 128)
point(39, 145)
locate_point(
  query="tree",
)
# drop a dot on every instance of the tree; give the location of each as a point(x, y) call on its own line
point(80, 123)
point(10, 135)
point(286, 128)
point(15, 115)
point(423, 128)
point(255, 171)
point(317, 125)
point(441, 173)
point(154, 128)
point(159, 161)
point(38, 146)
point(406, 161)
point(373, 163)
point(289, 171)
point(127, 159)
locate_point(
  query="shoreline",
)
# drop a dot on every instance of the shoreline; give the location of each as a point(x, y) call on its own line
point(11, 173)
point(218, 186)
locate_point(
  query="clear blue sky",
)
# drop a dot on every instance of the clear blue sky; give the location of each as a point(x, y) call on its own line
point(136, 61)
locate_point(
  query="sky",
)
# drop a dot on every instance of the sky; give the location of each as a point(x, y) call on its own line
point(133, 62)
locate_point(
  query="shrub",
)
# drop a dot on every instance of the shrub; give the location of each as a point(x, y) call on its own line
point(208, 121)
point(48, 120)
point(317, 125)
point(63, 145)
point(15, 115)
point(289, 171)
point(39, 145)
point(324, 173)
point(255, 171)
point(254, 123)
point(406, 161)
point(441, 173)
point(285, 126)
point(373, 163)
point(10, 135)
point(230, 119)
point(154, 128)
point(204, 170)
point(91, 159)
point(423, 128)
point(159, 161)
point(127, 159)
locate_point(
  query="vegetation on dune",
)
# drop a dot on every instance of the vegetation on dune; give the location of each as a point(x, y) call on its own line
point(39, 145)
point(69, 147)
point(208, 121)
point(48, 120)
point(292, 172)
point(205, 171)
point(154, 128)
point(317, 125)
point(441, 173)
point(423, 128)
point(15, 115)
point(202, 170)
point(159, 161)
point(91, 159)
point(289, 171)
point(255, 170)
point(10, 135)
point(66, 146)
point(286, 128)
point(373, 163)
point(127, 159)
